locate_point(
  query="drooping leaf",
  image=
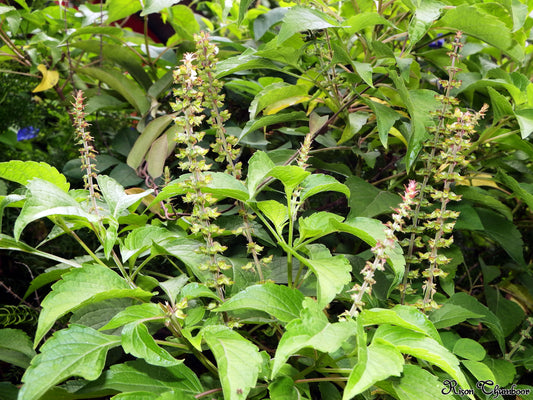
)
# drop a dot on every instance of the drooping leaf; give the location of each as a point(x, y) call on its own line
point(517, 189)
point(404, 316)
point(24, 171)
point(137, 341)
point(172, 287)
point(140, 240)
point(79, 287)
point(420, 346)
point(281, 302)
point(160, 150)
point(223, 185)
point(50, 79)
point(232, 352)
point(312, 330)
point(75, 351)
point(16, 347)
point(149, 134)
point(385, 118)
point(501, 107)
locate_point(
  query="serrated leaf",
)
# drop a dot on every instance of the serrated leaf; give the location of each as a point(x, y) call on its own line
point(281, 302)
point(313, 330)
point(332, 274)
point(450, 315)
point(47, 200)
point(259, 166)
point(501, 107)
point(232, 352)
point(368, 201)
point(135, 313)
point(404, 316)
point(415, 381)
point(24, 171)
point(371, 230)
point(79, 287)
point(290, 175)
point(425, 14)
point(140, 240)
point(49, 80)
point(320, 183)
point(299, 19)
point(116, 197)
point(379, 361)
point(75, 351)
point(137, 341)
point(16, 347)
point(172, 287)
point(134, 376)
point(276, 212)
point(420, 346)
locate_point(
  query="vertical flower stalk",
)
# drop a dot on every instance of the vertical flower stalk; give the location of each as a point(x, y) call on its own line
point(188, 105)
point(87, 151)
point(382, 248)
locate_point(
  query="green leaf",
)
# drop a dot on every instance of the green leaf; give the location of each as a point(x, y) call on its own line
point(9, 243)
point(466, 18)
point(245, 61)
point(115, 196)
point(16, 347)
point(379, 361)
point(450, 315)
point(223, 185)
point(420, 346)
point(404, 316)
point(385, 118)
point(194, 290)
point(518, 190)
point(46, 200)
point(299, 19)
point(368, 201)
point(480, 371)
point(154, 6)
point(363, 20)
point(332, 273)
point(469, 349)
point(24, 171)
point(135, 313)
point(415, 381)
point(149, 134)
point(482, 197)
point(255, 124)
point(232, 352)
point(75, 351)
point(79, 287)
point(279, 301)
point(277, 96)
point(371, 230)
point(313, 330)
point(501, 107)
point(320, 183)
point(489, 319)
point(276, 212)
point(133, 376)
point(160, 150)
point(172, 287)
point(317, 225)
point(243, 7)
point(425, 14)
point(283, 388)
point(525, 121)
point(127, 88)
point(290, 175)
point(259, 166)
point(137, 341)
point(140, 240)
point(118, 9)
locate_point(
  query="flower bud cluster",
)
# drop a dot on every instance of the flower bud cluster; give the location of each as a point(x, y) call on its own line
point(87, 151)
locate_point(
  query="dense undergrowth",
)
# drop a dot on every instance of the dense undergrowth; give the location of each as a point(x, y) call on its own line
point(302, 200)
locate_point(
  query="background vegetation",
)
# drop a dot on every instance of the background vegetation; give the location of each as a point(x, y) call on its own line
point(284, 200)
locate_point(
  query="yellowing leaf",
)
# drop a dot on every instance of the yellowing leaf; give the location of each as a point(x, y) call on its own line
point(49, 80)
point(481, 179)
point(284, 103)
point(397, 134)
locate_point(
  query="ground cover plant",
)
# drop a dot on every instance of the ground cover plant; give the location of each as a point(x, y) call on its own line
point(278, 200)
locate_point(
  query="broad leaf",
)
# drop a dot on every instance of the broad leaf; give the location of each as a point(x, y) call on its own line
point(245, 61)
point(172, 287)
point(79, 287)
point(290, 175)
point(317, 225)
point(136, 313)
point(115, 196)
point(425, 14)
point(450, 315)
point(232, 352)
point(259, 166)
point(118, 9)
point(277, 96)
point(385, 117)
point(140, 240)
point(420, 346)
point(24, 171)
point(195, 290)
point(47, 200)
point(255, 124)
point(299, 19)
point(469, 349)
point(49, 80)
point(279, 301)
point(75, 351)
point(404, 316)
point(415, 381)
point(332, 273)
point(313, 330)
point(367, 200)
point(276, 212)
point(525, 121)
point(154, 6)
point(137, 341)
point(320, 183)
point(149, 134)
point(16, 347)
